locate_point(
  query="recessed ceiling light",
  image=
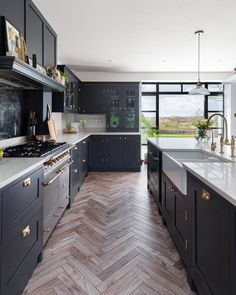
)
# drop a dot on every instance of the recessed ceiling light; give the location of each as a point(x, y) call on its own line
point(219, 60)
point(164, 60)
point(109, 60)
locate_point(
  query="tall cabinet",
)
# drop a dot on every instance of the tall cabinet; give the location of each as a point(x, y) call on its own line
point(122, 111)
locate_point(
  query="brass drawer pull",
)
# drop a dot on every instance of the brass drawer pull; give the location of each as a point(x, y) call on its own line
point(56, 215)
point(25, 232)
point(205, 195)
point(47, 230)
point(27, 182)
point(172, 189)
point(61, 207)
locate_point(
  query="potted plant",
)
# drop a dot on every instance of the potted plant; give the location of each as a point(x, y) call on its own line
point(202, 133)
point(150, 131)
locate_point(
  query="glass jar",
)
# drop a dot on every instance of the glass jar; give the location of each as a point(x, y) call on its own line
point(202, 135)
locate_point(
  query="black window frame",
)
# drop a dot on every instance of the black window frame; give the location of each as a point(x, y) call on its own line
point(158, 93)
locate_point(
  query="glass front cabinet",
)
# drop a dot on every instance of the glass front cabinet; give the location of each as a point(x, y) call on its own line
point(123, 108)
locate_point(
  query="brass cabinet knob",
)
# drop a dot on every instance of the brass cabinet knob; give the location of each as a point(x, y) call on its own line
point(205, 195)
point(75, 170)
point(84, 161)
point(25, 232)
point(27, 182)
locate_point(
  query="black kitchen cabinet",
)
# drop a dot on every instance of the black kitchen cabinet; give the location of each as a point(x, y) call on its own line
point(22, 235)
point(96, 159)
point(34, 31)
point(69, 100)
point(122, 107)
point(175, 214)
point(14, 12)
point(114, 153)
point(93, 98)
point(83, 159)
point(154, 173)
point(212, 240)
point(50, 45)
point(74, 173)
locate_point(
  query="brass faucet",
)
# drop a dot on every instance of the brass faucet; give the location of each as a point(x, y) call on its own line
point(226, 140)
point(232, 147)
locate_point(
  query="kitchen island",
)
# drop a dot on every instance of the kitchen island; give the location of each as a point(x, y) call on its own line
point(202, 220)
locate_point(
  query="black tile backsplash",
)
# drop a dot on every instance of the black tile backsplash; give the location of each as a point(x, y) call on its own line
point(12, 114)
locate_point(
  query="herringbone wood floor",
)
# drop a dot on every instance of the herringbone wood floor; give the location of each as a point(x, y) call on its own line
point(110, 242)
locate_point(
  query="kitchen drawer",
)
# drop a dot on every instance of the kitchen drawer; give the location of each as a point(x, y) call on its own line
point(19, 197)
point(51, 194)
point(49, 224)
point(65, 180)
point(16, 267)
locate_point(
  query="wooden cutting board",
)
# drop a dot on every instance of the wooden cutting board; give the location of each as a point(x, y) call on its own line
point(51, 125)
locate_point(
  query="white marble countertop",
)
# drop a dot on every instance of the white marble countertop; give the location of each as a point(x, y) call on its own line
point(219, 176)
point(13, 168)
point(189, 144)
point(77, 137)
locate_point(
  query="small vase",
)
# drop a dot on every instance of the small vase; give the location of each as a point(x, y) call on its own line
point(202, 135)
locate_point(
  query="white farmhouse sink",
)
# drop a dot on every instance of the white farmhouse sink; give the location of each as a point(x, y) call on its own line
point(173, 168)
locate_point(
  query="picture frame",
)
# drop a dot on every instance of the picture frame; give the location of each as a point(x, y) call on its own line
point(12, 39)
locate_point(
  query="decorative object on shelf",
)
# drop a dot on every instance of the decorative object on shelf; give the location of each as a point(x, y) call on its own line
point(231, 79)
point(54, 73)
point(13, 43)
point(150, 131)
point(203, 134)
point(23, 48)
point(34, 58)
point(41, 69)
point(199, 89)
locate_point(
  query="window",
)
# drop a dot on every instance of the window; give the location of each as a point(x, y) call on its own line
point(169, 108)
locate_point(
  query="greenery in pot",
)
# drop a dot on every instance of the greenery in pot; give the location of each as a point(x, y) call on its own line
point(149, 131)
point(202, 133)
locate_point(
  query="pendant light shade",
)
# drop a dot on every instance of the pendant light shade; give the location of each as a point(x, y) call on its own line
point(231, 79)
point(199, 89)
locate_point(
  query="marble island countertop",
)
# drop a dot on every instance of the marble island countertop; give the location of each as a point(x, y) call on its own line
point(219, 176)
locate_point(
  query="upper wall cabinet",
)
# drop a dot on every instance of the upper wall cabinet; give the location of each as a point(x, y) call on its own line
point(69, 100)
point(50, 46)
point(14, 12)
point(34, 31)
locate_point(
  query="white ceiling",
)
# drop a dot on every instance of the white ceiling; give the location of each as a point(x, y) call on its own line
point(143, 35)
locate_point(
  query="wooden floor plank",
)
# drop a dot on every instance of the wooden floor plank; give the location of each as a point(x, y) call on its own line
point(111, 242)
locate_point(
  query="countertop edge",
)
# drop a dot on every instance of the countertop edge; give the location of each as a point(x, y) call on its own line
point(210, 184)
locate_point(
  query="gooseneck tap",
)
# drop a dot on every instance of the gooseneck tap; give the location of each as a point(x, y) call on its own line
point(226, 140)
point(221, 144)
point(232, 147)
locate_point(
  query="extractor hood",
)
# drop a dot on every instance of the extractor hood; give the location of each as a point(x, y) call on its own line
point(14, 73)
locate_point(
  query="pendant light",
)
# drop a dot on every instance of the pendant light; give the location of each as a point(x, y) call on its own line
point(199, 89)
point(231, 79)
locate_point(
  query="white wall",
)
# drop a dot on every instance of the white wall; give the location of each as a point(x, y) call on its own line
point(230, 108)
point(158, 76)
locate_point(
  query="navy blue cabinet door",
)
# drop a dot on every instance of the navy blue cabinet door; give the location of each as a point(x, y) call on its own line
point(112, 150)
point(93, 99)
point(50, 46)
point(211, 258)
point(96, 159)
point(131, 151)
